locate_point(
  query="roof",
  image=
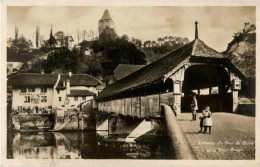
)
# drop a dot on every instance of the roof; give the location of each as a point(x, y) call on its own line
point(81, 93)
point(159, 68)
point(51, 79)
point(106, 16)
point(32, 79)
point(80, 80)
point(123, 70)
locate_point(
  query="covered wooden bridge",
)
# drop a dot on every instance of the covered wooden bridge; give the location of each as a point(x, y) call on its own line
point(191, 69)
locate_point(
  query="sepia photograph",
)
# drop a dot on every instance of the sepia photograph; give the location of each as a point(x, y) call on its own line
point(129, 82)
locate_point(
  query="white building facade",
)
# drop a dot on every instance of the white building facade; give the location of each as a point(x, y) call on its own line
point(41, 93)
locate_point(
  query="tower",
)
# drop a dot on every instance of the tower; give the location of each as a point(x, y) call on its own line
point(105, 21)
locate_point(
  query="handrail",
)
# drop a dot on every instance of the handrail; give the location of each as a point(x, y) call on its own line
point(180, 146)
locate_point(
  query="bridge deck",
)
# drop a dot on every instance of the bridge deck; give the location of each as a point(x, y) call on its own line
point(227, 128)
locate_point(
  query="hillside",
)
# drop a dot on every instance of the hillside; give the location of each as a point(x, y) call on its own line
point(242, 50)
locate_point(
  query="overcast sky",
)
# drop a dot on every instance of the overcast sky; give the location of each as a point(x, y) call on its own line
point(216, 24)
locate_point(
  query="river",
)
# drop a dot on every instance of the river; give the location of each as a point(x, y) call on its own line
point(80, 145)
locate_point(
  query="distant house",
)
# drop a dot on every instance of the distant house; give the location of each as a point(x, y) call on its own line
point(13, 67)
point(41, 93)
point(123, 70)
point(63, 40)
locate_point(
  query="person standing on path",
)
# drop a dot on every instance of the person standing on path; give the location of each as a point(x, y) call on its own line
point(194, 107)
point(207, 122)
point(201, 120)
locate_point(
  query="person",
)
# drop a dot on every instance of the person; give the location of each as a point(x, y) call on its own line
point(201, 120)
point(207, 122)
point(194, 107)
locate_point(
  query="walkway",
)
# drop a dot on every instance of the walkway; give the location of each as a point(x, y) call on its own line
point(232, 137)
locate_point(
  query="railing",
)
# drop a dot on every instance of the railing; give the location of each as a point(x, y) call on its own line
point(180, 146)
point(140, 106)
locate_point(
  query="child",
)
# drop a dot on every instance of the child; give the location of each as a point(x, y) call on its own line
point(207, 122)
point(201, 120)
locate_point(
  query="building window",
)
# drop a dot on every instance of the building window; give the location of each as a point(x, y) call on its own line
point(76, 98)
point(59, 98)
point(83, 97)
point(31, 89)
point(44, 99)
point(44, 89)
point(27, 99)
point(23, 90)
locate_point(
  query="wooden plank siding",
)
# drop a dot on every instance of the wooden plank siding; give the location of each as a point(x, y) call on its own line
point(141, 107)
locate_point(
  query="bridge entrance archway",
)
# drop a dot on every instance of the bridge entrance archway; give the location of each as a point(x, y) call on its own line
point(210, 84)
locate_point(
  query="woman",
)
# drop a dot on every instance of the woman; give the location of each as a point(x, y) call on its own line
point(207, 122)
point(194, 107)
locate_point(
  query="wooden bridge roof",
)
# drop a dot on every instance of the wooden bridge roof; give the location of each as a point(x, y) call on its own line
point(156, 70)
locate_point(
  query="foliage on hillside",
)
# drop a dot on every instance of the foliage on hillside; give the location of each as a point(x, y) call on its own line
point(118, 49)
point(241, 50)
point(108, 51)
point(157, 49)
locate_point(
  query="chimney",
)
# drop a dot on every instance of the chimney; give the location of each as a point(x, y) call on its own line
point(196, 30)
point(68, 87)
point(70, 73)
point(42, 71)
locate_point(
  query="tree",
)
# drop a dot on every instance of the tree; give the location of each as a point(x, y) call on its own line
point(78, 35)
point(37, 36)
point(84, 34)
point(52, 41)
point(60, 38)
point(16, 32)
point(20, 45)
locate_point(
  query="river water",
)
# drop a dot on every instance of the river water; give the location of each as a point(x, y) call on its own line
point(80, 145)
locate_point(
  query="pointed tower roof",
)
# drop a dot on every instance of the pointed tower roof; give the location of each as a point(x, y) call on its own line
point(106, 16)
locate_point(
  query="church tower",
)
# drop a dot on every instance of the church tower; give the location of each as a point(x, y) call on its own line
point(105, 21)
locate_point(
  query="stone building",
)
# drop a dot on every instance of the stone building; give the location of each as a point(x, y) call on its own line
point(105, 22)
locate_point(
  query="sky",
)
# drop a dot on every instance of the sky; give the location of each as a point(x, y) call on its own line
point(216, 24)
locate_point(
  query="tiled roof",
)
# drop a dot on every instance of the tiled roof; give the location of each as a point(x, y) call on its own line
point(81, 93)
point(50, 79)
point(32, 79)
point(80, 80)
point(159, 68)
point(106, 16)
point(123, 70)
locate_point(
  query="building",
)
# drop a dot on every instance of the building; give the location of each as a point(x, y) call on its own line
point(63, 40)
point(41, 93)
point(172, 79)
point(105, 22)
point(13, 67)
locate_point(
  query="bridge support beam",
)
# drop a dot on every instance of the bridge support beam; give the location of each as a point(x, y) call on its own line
point(141, 129)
